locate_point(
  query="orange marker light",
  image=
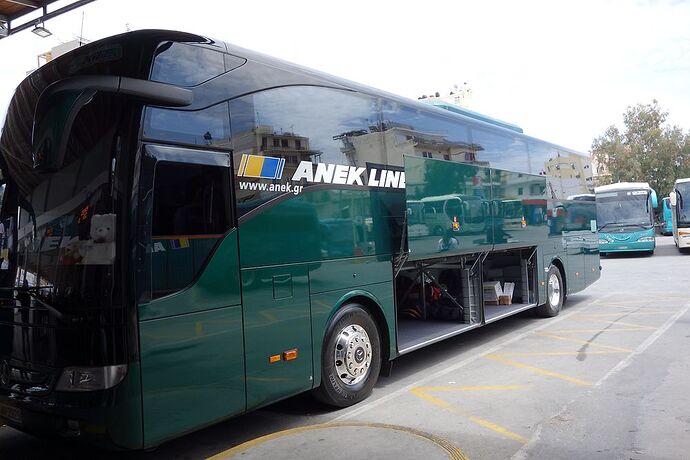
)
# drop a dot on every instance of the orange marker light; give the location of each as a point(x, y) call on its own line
point(290, 354)
point(273, 359)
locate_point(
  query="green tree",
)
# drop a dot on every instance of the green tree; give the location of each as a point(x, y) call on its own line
point(647, 150)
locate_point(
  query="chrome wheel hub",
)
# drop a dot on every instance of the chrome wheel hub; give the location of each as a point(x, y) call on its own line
point(554, 290)
point(352, 354)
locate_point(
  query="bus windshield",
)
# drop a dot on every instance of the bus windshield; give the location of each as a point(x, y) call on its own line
point(683, 203)
point(66, 232)
point(624, 209)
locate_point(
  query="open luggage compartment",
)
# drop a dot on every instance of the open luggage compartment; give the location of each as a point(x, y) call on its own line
point(443, 297)
point(515, 267)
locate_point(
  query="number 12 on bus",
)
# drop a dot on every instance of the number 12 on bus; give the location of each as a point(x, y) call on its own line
point(195, 230)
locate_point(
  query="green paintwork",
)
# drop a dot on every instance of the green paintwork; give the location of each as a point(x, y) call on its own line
point(276, 319)
point(217, 286)
point(192, 371)
point(192, 351)
point(320, 225)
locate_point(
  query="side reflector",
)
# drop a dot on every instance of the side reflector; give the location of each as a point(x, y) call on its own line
point(290, 354)
point(273, 359)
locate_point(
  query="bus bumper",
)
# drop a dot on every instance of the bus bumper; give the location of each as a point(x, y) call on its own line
point(627, 246)
point(108, 419)
point(684, 238)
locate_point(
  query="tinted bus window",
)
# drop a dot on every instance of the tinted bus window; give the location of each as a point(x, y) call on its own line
point(186, 65)
point(501, 150)
point(295, 124)
point(190, 214)
point(210, 127)
point(413, 131)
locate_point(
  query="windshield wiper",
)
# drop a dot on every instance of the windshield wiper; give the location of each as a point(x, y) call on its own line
point(609, 224)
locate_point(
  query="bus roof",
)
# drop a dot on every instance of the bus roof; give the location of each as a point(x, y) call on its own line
point(682, 181)
point(623, 186)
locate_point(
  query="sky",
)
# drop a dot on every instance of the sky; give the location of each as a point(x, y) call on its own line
point(563, 71)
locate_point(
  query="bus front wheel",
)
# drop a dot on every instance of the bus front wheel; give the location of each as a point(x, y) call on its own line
point(350, 358)
point(555, 294)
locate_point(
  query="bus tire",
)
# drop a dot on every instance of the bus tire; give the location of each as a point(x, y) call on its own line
point(350, 357)
point(555, 294)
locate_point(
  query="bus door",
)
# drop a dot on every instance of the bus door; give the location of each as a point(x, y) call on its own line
point(277, 244)
point(190, 315)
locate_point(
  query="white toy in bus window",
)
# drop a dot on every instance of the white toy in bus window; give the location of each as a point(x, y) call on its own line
point(100, 250)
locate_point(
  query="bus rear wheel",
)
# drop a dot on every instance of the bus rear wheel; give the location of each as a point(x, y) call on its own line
point(555, 294)
point(350, 358)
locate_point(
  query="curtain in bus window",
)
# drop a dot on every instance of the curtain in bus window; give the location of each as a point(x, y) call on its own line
point(190, 214)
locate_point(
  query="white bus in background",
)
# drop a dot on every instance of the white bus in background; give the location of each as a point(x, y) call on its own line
point(680, 210)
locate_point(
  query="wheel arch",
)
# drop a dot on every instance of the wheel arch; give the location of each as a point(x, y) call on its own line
point(374, 307)
point(558, 263)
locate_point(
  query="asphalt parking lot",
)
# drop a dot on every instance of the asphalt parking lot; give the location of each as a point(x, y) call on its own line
point(607, 378)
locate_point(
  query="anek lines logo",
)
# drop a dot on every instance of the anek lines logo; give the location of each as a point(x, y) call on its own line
point(262, 167)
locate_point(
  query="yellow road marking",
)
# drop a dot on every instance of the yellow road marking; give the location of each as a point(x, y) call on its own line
point(453, 452)
point(557, 353)
point(538, 370)
point(619, 329)
point(583, 342)
point(421, 392)
point(474, 388)
point(499, 429)
point(618, 323)
point(636, 313)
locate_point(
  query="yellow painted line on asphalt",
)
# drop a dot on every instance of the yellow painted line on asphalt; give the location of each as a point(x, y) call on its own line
point(557, 353)
point(421, 392)
point(474, 388)
point(451, 450)
point(582, 342)
point(538, 370)
point(499, 429)
point(618, 323)
point(633, 307)
point(618, 329)
point(635, 313)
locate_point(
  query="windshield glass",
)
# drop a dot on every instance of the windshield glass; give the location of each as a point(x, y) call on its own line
point(683, 203)
point(67, 228)
point(623, 209)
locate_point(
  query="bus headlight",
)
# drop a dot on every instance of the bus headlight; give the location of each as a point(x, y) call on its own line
point(603, 241)
point(91, 378)
point(645, 239)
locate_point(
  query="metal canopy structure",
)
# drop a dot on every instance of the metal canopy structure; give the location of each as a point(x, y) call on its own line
point(13, 11)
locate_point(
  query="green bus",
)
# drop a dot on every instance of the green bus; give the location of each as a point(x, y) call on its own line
point(194, 230)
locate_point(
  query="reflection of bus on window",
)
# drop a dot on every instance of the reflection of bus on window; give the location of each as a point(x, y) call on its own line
point(513, 214)
point(680, 205)
point(440, 212)
point(625, 217)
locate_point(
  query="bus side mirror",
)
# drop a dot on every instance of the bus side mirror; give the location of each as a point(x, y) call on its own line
point(672, 198)
point(655, 201)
